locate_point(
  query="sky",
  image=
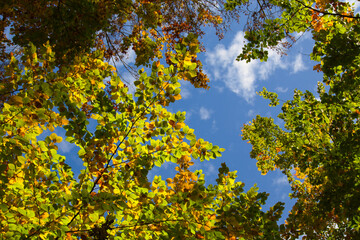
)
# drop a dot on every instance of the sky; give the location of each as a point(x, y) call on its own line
point(218, 114)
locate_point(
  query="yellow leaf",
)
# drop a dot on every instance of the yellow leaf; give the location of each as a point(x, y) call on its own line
point(48, 50)
point(187, 61)
point(64, 121)
point(95, 116)
point(177, 97)
point(7, 106)
point(101, 85)
point(113, 147)
point(45, 215)
point(51, 128)
point(53, 136)
point(16, 100)
point(348, 19)
point(129, 150)
point(58, 139)
point(179, 125)
point(67, 191)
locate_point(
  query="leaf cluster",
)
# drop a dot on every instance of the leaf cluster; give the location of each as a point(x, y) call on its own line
point(317, 148)
point(60, 80)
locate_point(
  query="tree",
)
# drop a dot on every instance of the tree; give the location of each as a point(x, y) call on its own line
point(150, 28)
point(318, 146)
point(60, 77)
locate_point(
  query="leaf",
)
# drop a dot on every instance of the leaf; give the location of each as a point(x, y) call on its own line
point(94, 217)
point(17, 100)
point(177, 97)
point(59, 80)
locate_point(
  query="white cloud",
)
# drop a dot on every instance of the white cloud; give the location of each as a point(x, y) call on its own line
point(281, 89)
point(281, 180)
point(240, 77)
point(298, 64)
point(267, 68)
point(284, 197)
point(210, 170)
point(204, 113)
point(130, 56)
point(214, 127)
point(251, 113)
point(185, 92)
point(220, 89)
point(65, 146)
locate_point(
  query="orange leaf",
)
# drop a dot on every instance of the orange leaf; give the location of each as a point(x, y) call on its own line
point(199, 236)
point(177, 97)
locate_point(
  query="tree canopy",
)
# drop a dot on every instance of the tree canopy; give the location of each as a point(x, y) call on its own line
point(317, 148)
point(57, 73)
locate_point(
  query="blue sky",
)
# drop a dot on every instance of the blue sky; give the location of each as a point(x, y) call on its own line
point(218, 114)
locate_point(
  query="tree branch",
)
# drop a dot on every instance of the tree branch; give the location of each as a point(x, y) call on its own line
point(327, 13)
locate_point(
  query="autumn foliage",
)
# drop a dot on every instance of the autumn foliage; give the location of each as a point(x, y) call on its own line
point(60, 74)
point(57, 75)
point(317, 147)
